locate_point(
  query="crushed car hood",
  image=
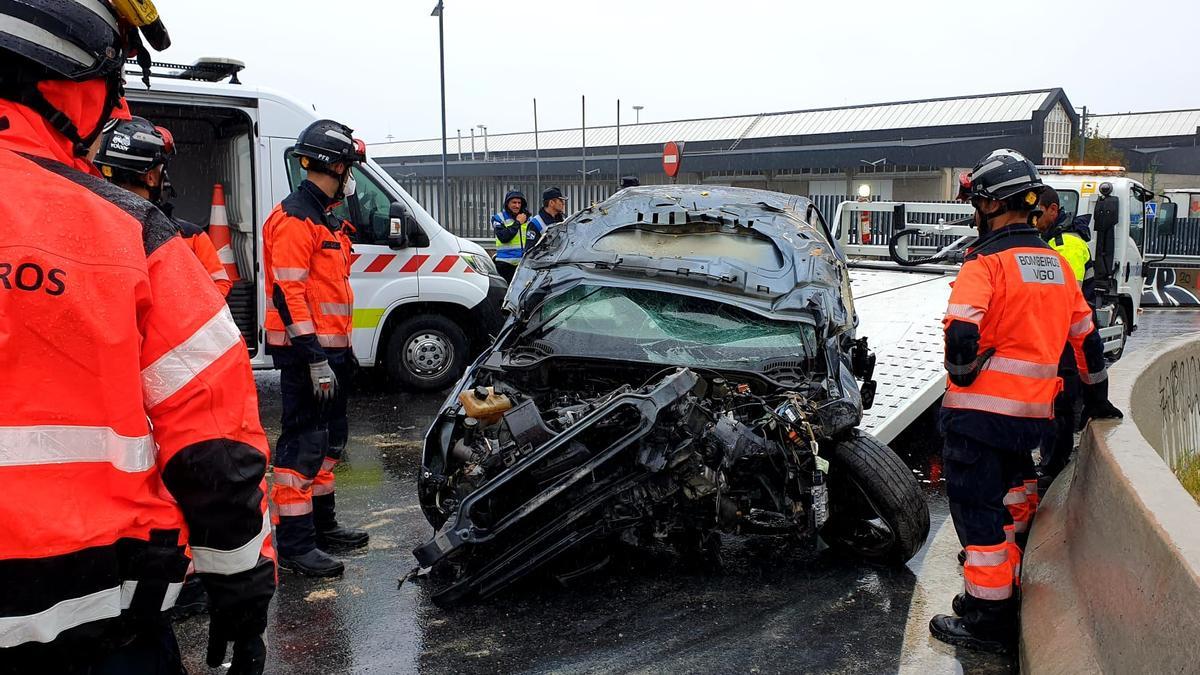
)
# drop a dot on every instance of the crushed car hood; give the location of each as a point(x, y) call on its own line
point(752, 248)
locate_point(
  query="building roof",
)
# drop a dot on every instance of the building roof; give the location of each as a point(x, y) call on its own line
point(978, 109)
point(1147, 124)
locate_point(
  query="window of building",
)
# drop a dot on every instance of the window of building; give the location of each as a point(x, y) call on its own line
point(1056, 136)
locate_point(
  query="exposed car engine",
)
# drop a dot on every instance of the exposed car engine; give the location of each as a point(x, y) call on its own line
point(675, 459)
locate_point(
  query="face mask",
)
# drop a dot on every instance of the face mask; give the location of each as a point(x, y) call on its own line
point(350, 185)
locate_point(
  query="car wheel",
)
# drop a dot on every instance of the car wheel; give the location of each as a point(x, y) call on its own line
point(876, 510)
point(426, 352)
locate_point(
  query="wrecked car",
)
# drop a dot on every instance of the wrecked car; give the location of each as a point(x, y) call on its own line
point(679, 362)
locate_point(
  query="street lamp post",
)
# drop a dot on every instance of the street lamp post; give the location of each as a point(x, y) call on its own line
point(637, 111)
point(583, 144)
point(618, 141)
point(537, 152)
point(437, 11)
point(483, 127)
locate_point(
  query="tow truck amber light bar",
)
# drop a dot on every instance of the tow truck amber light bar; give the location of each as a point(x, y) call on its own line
point(1068, 168)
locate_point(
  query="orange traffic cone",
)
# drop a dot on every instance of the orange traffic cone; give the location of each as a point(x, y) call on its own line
point(218, 231)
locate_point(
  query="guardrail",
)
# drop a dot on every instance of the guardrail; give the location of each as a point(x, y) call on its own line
point(1111, 576)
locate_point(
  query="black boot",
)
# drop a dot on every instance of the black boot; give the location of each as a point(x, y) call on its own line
point(295, 541)
point(315, 563)
point(330, 535)
point(959, 604)
point(986, 625)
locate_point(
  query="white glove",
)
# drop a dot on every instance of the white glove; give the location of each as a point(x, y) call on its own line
point(324, 382)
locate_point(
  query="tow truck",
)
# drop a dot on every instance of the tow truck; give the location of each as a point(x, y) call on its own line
point(904, 255)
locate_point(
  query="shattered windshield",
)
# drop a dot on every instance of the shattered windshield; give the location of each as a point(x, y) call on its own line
point(666, 328)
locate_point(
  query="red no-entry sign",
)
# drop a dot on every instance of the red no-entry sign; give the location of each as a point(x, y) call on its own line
point(672, 157)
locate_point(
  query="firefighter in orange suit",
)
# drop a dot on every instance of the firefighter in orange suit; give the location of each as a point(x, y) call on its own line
point(129, 431)
point(1014, 305)
point(307, 263)
point(133, 155)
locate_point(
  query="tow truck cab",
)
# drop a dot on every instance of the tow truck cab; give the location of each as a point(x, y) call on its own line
point(1119, 227)
point(425, 299)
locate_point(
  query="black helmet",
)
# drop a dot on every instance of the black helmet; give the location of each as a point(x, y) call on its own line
point(75, 40)
point(1003, 175)
point(136, 146)
point(328, 142)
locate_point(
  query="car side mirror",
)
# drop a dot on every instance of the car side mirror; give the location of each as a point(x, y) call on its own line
point(403, 229)
point(1166, 218)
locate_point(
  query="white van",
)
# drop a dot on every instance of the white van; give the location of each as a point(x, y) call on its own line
point(425, 300)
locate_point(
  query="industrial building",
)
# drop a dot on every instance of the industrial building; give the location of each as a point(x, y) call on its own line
point(908, 150)
point(1164, 147)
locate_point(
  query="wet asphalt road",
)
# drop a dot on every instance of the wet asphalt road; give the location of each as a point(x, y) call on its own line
point(771, 609)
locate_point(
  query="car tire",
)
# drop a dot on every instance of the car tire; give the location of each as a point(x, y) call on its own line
point(866, 478)
point(427, 352)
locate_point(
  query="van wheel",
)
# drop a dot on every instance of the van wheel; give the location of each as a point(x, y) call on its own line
point(426, 352)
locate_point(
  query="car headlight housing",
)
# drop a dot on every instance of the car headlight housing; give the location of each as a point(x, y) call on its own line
point(480, 263)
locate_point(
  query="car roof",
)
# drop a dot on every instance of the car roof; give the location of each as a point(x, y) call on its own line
point(762, 254)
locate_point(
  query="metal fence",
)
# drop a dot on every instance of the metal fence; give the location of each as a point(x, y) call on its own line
point(472, 201)
point(882, 224)
point(1185, 241)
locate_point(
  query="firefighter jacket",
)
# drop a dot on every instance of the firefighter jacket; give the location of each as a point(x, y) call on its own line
point(306, 254)
point(200, 243)
point(129, 426)
point(1014, 305)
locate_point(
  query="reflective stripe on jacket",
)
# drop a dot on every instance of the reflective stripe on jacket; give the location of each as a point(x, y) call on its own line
point(1016, 299)
point(306, 258)
point(129, 428)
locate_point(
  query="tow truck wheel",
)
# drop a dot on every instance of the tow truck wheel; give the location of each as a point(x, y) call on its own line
point(876, 510)
point(426, 352)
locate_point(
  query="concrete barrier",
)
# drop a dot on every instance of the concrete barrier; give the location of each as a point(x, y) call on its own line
point(1111, 577)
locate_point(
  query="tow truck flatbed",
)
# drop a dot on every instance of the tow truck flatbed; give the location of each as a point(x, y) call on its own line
point(900, 312)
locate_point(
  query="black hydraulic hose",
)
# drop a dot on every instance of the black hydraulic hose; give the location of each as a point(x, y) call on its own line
point(952, 253)
point(943, 255)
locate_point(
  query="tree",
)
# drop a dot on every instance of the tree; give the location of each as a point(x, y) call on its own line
point(1098, 151)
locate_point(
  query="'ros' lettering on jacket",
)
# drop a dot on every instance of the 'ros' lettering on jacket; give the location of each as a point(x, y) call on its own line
point(1038, 268)
point(31, 277)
